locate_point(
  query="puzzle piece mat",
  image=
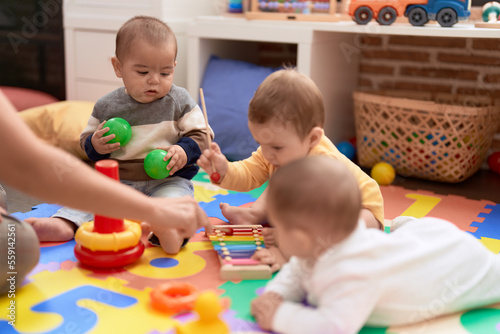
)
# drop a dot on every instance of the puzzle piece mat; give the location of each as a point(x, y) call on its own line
point(59, 296)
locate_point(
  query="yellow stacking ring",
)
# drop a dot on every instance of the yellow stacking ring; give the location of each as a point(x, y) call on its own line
point(130, 237)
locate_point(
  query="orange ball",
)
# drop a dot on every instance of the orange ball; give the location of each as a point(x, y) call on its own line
point(383, 173)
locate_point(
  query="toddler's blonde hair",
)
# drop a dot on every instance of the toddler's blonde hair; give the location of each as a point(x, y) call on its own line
point(288, 96)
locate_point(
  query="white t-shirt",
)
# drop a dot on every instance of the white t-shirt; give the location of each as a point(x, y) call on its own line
point(427, 267)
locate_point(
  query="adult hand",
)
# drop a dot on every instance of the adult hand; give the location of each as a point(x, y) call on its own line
point(181, 213)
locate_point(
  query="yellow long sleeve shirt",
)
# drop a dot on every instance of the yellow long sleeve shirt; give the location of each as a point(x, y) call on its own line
point(252, 172)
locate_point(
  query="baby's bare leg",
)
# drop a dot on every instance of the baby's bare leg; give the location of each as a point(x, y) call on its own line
point(53, 229)
point(237, 215)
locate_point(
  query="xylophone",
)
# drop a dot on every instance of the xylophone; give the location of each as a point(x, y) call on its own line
point(235, 245)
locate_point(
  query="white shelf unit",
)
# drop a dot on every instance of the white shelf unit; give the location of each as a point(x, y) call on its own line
point(90, 28)
point(327, 52)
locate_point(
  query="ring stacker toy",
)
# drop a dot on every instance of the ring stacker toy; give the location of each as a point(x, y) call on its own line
point(174, 297)
point(215, 176)
point(235, 246)
point(178, 297)
point(108, 242)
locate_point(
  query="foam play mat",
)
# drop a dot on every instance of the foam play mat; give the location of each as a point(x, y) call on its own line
point(61, 296)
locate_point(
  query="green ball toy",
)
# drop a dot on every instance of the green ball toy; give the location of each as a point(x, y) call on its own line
point(120, 128)
point(154, 165)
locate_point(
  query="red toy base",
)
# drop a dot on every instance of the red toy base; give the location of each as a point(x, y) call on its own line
point(108, 259)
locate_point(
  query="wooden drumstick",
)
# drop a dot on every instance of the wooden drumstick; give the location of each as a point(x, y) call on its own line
point(215, 176)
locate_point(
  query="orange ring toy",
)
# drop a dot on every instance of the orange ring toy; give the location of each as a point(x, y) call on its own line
point(174, 297)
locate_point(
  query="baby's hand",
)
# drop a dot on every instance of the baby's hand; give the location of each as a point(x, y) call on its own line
point(271, 256)
point(100, 142)
point(178, 158)
point(268, 233)
point(170, 239)
point(219, 160)
point(264, 307)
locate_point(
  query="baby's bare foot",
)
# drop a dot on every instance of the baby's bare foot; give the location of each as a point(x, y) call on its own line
point(237, 215)
point(52, 229)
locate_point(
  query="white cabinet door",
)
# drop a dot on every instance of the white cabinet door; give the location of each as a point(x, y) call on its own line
point(93, 52)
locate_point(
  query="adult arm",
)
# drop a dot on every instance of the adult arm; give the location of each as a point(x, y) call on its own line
point(53, 175)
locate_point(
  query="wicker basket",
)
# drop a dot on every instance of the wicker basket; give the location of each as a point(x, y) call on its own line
point(435, 137)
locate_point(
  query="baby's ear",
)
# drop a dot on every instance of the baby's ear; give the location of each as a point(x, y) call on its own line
point(304, 239)
point(315, 136)
point(117, 66)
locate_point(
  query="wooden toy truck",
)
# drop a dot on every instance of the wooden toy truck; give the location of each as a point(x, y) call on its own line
point(419, 12)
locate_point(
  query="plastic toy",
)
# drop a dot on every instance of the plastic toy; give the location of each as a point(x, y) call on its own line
point(419, 12)
point(347, 149)
point(174, 297)
point(120, 128)
point(491, 12)
point(235, 245)
point(215, 176)
point(155, 166)
point(383, 173)
point(129, 237)
point(297, 10)
point(353, 141)
point(494, 162)
point(490, 16)
point(208, 306)
point(235, 6)
point(108, 242)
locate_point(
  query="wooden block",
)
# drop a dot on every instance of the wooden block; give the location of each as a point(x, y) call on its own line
point(292, 17)
point(493, 25)
point(230, 230)
point(236, 227)
point(255, 13)
point(236, 238)
point(230, 272)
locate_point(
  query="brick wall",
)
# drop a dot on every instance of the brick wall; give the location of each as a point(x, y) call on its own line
point(450, 65)
point(437, 64)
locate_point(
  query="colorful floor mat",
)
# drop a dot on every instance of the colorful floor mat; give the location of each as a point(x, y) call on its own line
point(60, 296)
